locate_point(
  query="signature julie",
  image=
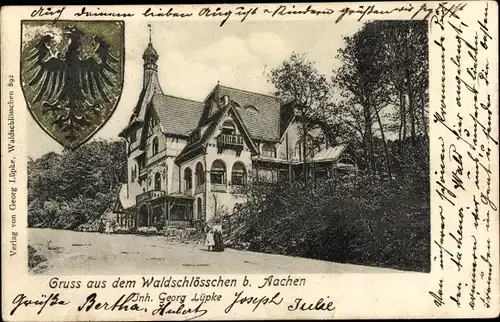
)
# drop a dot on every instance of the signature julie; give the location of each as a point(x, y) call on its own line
point(42, 302)
point(299, 304)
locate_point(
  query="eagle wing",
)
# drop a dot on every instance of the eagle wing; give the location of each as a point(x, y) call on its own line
point(96, 78)
point(47, 72)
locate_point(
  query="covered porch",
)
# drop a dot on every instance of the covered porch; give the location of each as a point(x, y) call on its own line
point(180, 212)
point(160, 210)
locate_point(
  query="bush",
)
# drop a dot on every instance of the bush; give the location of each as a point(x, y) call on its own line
point(33, 258)
point(362, 221)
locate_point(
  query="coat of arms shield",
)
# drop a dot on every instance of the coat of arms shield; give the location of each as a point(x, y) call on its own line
point(72, 75)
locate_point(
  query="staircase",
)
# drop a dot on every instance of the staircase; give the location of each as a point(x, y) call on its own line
point(184, 235)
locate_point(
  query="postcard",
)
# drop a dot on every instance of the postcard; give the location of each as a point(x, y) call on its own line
point(250, 161)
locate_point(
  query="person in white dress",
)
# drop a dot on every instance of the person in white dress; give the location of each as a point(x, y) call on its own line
point(108, 227)
point(210, 242)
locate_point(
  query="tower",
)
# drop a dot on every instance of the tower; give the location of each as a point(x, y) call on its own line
point(150, 58)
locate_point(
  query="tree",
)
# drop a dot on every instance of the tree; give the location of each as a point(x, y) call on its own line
point(362, 83)
point(406, 57)
point(299, 84)
point(385, 65)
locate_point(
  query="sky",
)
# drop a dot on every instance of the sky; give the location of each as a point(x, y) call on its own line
point(193, 56)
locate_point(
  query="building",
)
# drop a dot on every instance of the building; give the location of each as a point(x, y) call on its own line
point(189, 161)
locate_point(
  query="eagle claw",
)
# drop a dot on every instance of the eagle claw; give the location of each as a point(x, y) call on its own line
point(47, 107)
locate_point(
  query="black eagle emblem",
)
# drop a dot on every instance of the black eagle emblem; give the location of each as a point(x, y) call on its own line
point(69, 85)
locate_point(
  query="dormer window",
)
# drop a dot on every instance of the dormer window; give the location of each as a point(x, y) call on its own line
point(268, 150)
point(251, 107)
point(228, 127)
point(133, 137)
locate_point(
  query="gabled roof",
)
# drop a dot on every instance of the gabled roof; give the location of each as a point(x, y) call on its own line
point(200, 144)
point(178, 116)
point(332, 153)
point(214, 122)
point(124, 201)
point(260, 113)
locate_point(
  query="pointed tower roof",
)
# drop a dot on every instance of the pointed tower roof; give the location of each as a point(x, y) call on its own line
point(150, 52)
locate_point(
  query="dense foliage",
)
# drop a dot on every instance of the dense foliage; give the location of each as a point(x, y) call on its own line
point(76, 187)
point(351, 219)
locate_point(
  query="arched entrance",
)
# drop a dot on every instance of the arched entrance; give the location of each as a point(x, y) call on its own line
point(143, 216)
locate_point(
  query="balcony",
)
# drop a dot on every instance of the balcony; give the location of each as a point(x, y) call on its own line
point(230, 141)
point(219, 187)
point(149, 196)
point(199, 189)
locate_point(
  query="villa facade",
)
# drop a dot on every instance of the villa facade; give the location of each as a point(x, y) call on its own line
point(189, 161)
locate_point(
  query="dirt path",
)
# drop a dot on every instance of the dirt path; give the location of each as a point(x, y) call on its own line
point(82, 253)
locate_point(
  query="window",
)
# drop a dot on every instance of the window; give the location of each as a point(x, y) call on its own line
point(133, 137)
point(200, 175)
point(156, 216)
point(239, 174)
point(153, 121)
point(320, 174)
point(199, 208)
point(265, 175)
point(157, 181)
point(299, 148)
point(133, 173)
point(218, 172)
point(155, 146)
point(142, 163)
point(228, 127)
point(283, 176)
point(268, 150)
point(188, 179)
